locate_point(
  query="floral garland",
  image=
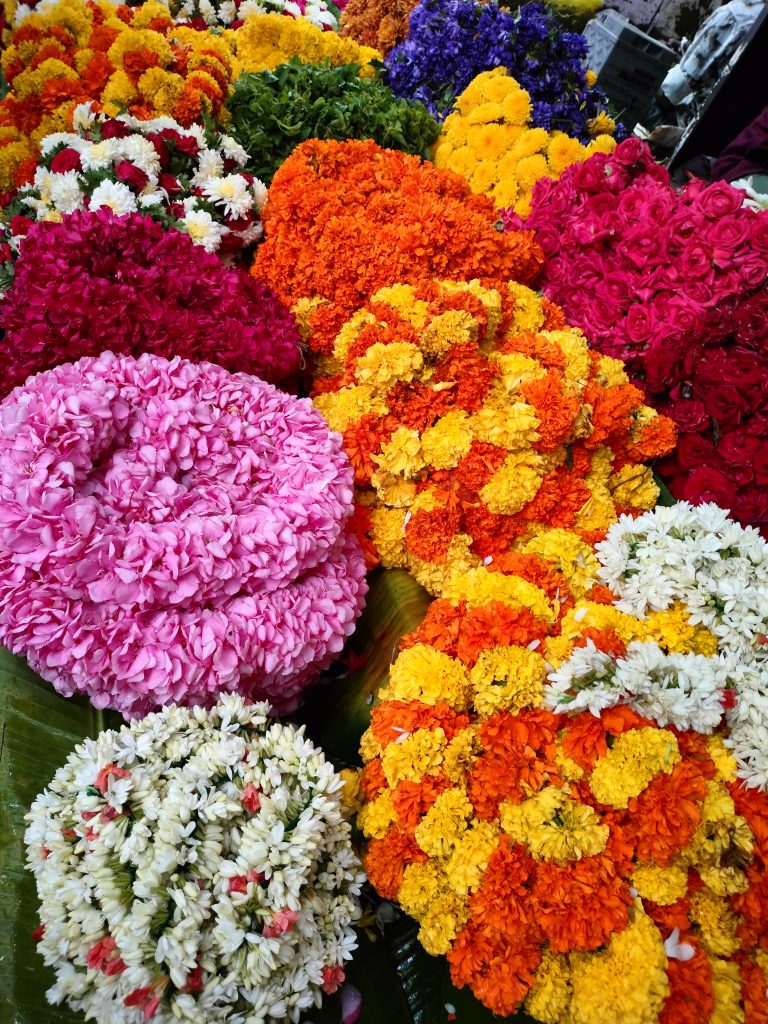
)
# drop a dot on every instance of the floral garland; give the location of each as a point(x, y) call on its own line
point(209, 13)
point(194, 864)
point(98, 280)
point(718, 571)
point(139, 60)
point(673, 283)
point(490, 140)
point(347, 218)
point(450, 42)
point(589, 867)
point(181, 532)
point(479, 423)
point(187, 179)
point(379, 23)
point(321, 102)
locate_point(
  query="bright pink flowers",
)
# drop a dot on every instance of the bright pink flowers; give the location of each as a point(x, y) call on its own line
point(282, 921)
point(169, 531)
point(97, 281)
point(674, 284)
point(104, 956)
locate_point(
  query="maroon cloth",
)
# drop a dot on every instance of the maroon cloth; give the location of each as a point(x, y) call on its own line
point(747, 154)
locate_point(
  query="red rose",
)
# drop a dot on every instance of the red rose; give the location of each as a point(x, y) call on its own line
point(720, 200)
point(709, 484)
point(728, 232)
point(163, 155)
point(591, 175)
point(753, 270)
point(751, 319)
point(632, 152)
point(750, 505)
point(696, 261)
point(740, 449)
point(67, 160)
point(688, 413)
point(5, 252)
point(724, 403)
point(694, 451)
point(131, 175)
point(758, 232)
point(661, 364)
point(684, 317)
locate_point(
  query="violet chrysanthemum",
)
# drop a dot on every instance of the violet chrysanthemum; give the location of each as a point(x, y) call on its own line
point(98, 281)
point(169, 531)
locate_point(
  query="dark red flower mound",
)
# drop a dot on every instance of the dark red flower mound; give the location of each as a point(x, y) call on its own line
point(100, 282)
point(673, 283)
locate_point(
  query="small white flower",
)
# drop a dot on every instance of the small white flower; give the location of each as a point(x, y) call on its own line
point(203, 229)
point(230, 192)
point(116, 195)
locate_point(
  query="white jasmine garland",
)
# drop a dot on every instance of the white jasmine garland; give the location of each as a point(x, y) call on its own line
point(218, 12)
point(195, 866)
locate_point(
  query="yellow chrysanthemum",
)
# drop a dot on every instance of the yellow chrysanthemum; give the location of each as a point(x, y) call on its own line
point(726, 988)
point(401, 455)
point(422, 885)
point(515, 483)
point(548, 999)
point(568, 553)
point(673, 630)
point(446, 443)
point(369, 746)
point(460, 755)
point(553, 827)
point(722, 757)
point(716, 921)
point(507, 679)
point(454, 327)
point(387, 533)
point(402, 297)
point(425, 674)
point(635, 759)
point(634, 487)
point(420, 753)
point(444, 823)
point(662, 885)
point(479, 586)
point(512, 426)
point(563, 151)
point(602, 124)
point(341, 408)
point(442, 922)
point(626, 982)
point(383, 365)
point(377, 815)
point(466, 865)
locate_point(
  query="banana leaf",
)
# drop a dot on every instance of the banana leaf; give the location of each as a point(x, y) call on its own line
point(665, 495)
point(39, 730)
point(338, 710)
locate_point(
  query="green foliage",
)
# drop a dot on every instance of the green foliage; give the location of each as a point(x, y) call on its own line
point(273, 111)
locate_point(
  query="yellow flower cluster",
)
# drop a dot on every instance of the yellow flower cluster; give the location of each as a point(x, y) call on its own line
point(479, 423)
point(140, 59)
point(489, 139)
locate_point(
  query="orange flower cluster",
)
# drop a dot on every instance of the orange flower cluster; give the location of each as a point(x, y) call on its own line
point(478, 423)
point(347, 218)
point(116, 55)
point(378, 23)
point(589, 868)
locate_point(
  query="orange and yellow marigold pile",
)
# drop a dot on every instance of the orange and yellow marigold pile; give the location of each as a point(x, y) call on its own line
point(590, 868)
point(479, 423)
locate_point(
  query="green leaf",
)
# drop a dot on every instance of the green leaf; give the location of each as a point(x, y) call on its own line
point(337, 712)
point(39, 730)
point(665, 495)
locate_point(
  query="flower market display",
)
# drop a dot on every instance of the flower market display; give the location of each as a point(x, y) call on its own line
point(195, 866)
point(272, 112)
point(478, 423)
point(604, 862)
point(292, 291)
point(186, 179)
point(501, 154)
point(673, 283)
point(182, 529)
point(450, 42)
point(139, 59)
point(347, 218)
point(98, 280)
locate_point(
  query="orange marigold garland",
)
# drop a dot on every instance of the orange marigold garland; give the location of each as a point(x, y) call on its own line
point(345, 219)
point(480, 425)
point(585, 867)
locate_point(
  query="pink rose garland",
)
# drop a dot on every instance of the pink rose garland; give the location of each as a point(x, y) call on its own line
point(99, 281)
point(673, 283)
point(169, 531)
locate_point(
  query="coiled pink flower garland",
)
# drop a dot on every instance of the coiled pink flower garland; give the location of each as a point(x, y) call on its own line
point(169, 531)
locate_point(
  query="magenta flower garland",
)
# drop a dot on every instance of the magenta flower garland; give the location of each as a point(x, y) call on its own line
point(169, 531)
point(98, 281)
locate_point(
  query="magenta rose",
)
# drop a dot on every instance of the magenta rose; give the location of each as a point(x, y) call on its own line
point(720, 200)
point(694, 451)
point(131, 175)
point(689, 414)
point(706, 483)
point(758, 232)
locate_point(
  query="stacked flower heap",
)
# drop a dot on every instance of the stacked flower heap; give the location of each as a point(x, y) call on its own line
point(99, 281)
point(273, 112)
point(450, 43)
point(171, 531)
point(490, 140)
point(189, 179)
point(592, 867)
point(478, 422)
point(673, 283)
point(347, 218)
point(195, 866)
point(140, 60)
point(379, 23)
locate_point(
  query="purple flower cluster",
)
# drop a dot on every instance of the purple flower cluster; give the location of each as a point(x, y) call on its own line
point(450, 42)
point(170, 531)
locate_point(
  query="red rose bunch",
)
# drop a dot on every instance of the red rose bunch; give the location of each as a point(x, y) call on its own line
point(98, 281)
point(673, 283)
